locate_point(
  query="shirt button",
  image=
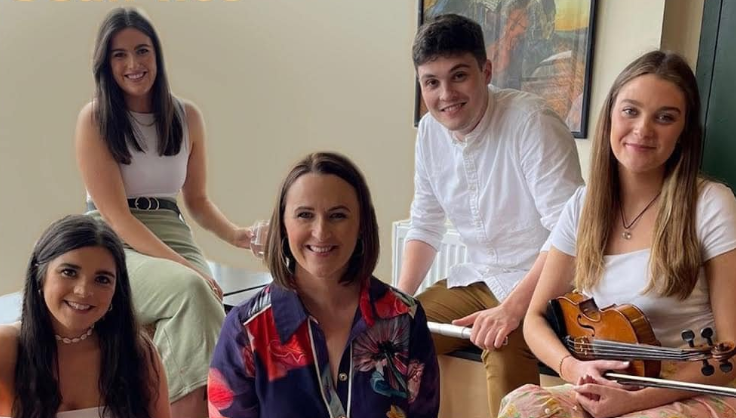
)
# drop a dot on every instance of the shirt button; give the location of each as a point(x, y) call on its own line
point(342, 376)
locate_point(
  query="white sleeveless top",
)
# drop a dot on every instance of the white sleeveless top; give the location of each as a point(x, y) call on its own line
point(150, 174)
point(84, 413)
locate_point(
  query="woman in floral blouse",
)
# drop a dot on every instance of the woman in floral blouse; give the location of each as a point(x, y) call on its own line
point(326, 339)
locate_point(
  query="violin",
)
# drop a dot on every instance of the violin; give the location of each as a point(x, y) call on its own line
point(622, 332)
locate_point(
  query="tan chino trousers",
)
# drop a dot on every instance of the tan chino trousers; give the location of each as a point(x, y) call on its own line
point(507, 368)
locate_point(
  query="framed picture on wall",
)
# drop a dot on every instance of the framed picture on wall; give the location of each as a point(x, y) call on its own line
point(539, 46)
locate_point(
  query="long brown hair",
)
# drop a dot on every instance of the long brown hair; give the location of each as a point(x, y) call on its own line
point(110, 111)
point(675, 254)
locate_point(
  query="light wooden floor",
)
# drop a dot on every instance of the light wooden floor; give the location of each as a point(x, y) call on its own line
point(463, 388)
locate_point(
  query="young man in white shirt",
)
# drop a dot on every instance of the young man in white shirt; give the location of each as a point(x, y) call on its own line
point(500, 165)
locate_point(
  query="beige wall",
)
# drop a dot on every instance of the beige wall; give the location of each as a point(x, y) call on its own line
point(624, 30)
point(274, 79)
point(627, 28)
point(681, 31)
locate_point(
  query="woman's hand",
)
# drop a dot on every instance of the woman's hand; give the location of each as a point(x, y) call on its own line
point(602, 400)
point(241, 237)
point(216, 289)
point(575, 371)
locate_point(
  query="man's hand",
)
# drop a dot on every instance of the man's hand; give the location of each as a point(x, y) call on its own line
point(491, 326)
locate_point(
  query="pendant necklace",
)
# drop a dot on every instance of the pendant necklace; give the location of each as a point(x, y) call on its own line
point(627, 227)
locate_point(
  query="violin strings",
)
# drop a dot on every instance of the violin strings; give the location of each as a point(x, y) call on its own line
point(614, 347)
point(656, 350)
point(629, 346)
point(626, 351)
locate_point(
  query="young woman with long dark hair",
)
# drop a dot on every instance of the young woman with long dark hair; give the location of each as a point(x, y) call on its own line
point(78, 352)
point(138, 146)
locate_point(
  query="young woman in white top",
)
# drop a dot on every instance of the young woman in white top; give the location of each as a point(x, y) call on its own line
point(77, 351)
point(137, 147)
point(649, 231)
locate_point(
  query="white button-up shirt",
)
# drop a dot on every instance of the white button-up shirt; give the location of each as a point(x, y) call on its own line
point(503, 187)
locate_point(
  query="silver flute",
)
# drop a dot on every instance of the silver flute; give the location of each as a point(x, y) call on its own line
point(449, 330)
point(454, 331)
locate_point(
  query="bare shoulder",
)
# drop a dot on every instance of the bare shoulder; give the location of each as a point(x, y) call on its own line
point(8, 358)
point(195, 121)
point(148, 348)
point(145, 341)
point(86, 114)
point(9, 335)
point(90, 146)
point(191, 109)
point(87, 128)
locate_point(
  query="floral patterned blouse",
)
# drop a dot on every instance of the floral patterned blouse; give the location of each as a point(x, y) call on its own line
point(271, 360)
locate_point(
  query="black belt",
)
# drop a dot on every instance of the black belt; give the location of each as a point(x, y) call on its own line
point(146, 203)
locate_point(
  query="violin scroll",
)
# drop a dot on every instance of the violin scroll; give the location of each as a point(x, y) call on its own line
point(720, 352)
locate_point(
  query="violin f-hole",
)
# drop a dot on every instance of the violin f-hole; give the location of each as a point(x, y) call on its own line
point(590, 328)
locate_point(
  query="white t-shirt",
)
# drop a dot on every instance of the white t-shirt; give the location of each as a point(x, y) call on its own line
point(627, 275)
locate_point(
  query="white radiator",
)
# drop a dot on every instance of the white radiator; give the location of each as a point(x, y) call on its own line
point(452, 252)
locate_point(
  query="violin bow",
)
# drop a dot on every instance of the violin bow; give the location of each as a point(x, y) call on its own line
point(626, 379)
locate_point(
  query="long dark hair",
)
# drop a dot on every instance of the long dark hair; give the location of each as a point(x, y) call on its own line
point(278, 257)
point(676, 254)
point(126, 385)
point(110, 110)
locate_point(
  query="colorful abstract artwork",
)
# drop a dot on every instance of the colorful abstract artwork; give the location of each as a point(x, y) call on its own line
point(539, 46)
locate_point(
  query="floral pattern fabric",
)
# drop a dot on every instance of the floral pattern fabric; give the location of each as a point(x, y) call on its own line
point(531, 401)
point(272, 360)
point(559, 401)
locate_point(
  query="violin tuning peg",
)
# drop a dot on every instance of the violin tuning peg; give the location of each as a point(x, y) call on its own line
point(688, 336)
point(707, 333)
point(707, 369)
point(726, 366)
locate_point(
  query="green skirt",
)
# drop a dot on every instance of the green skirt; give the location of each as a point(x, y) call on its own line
point(177, 301)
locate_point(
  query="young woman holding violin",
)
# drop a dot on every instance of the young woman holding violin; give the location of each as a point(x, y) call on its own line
point(647, 231)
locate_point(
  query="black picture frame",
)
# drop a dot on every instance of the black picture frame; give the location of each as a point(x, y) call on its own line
point(556, 65)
